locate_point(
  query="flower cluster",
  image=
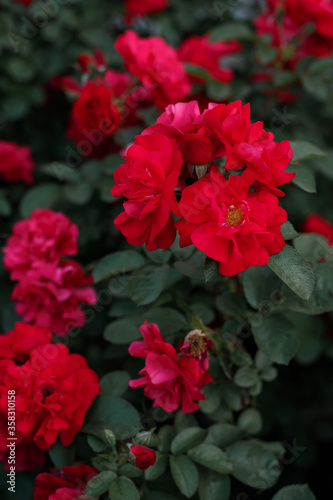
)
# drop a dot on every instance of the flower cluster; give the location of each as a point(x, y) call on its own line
point(16, 163)
point(227, 170)
point(299, 28)
point(157, 65)
point(169, 379)
point(50, 288)
point(53, 391)
point(106, 100)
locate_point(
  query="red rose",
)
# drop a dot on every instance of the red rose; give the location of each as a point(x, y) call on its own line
point(53, 391)
point(51, 296)
point(228, 223)
point(44, 237)
point(148, 179)
point(144, 457)
point(18, 343)
point(266, 162)
point(94, 110)
point(68, 484)
point(94, 142)
point(198, 50)
point(167, 380)
point(157, 65)
point(315, 223)
point(16, 163)
point(135, 8)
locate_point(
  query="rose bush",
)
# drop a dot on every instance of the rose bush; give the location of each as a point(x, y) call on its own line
point(166, 239)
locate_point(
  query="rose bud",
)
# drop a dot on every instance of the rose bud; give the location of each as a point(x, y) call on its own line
point(144, 457)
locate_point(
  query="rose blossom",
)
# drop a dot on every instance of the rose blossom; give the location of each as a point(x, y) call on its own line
point(67, 484)
point(168, 380)
point(16, 163)
point(94, 109)
point(148, 179)
point(156, 64)
point(53, 391)
point(198, 50)
point(44, 237)
point(51, 296)
point(144, 457)
point(230, 224)
point(17, 343)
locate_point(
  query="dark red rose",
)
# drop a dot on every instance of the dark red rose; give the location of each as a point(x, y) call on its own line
point(67, 484)
point(16, 163)
point(144, 457)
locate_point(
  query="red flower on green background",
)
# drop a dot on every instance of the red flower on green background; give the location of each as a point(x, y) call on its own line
point(144, 457)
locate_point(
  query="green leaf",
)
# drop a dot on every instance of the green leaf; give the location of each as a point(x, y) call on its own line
point(100, 483)
point(241, 358)
point(192, 267)
point(217, 90)
point(185, 475)
point(231, 31)
point(112, 413)
point(213, 486)
point(114, 383)
point(223, 434)
point(62, 455)
point(261, 286)
point(211, 457)
point(211, 270)
point(295, 492)
point(294, 270)
point(250, 421)
point(188, 438)
point(166, 434)
point(147, 284)
point(288, 231)
point(321, 300)
point(198, 71)
point(122, 488)
point(313, 246)
point(265, 53)
point(122, 331)
point(232, 395)
point(275, 336)
point(97, 444)
point(78, 194)
point(42, 196)
point(310, 331)
point(231, 304)
point(159, 495)
point(117, 263)
point(129, 470)
point(253, 464)
point(305, 151)
point(212, 393)
point(168, 320)
point(158, 468)
point(246, 376)
point(304, 179)
point(184, 420)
